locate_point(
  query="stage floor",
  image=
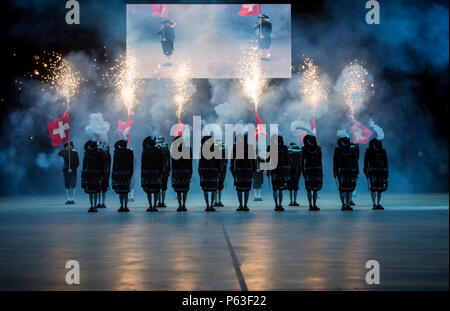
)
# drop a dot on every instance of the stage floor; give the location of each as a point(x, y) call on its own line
point(226, 250)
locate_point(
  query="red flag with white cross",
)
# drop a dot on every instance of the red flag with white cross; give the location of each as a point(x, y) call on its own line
point(59, 130)
point(250, 9)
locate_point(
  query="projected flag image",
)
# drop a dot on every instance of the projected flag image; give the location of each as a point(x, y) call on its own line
point(214, 38)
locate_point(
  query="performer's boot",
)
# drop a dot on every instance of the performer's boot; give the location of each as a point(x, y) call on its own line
point(315, 208)
point(163, 199)
point(379, 206)
point(219, 198)
point(97, 195)
point(120, 210)
point(155, 202)
point(92, 208)
point(125, 208)
point(351, 199)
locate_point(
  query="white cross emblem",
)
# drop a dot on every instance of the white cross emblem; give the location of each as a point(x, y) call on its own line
point(61, 129)
point(249, 7)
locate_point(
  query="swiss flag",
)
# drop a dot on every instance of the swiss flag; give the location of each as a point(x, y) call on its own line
point(361, 134)
point(59, 129)
point(160, 10)
point(250, 9)
point(125, 128)
point(179, 129)
point(260, 128)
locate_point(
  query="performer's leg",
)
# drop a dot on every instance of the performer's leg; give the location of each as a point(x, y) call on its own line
point(314, 199)
point(184, 200)
point(290, 198)
point(373, 194)
point(213, 198)
point(295, 196)
point(72, 194)
point(342, 197)
point(155, 201)
point(239, 195)
point(246, 195)
point(219, 196)
point(179, 202)
point(150, 203)
point(163, 197)
point(280, 197)
point(125, 201)
point(275, 198)
point(308, 193)
point(68, 194)
point(205, 196)
point(91, 199)
point(95, 199)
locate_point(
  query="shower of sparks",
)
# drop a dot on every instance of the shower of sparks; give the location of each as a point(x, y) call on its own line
point(252, 75)
point(183, 86)
point(313, 88)
point(124, 76)
point(353, 84)
point(56, 72)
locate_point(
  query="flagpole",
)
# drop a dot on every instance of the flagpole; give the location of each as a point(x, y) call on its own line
point(68, 113)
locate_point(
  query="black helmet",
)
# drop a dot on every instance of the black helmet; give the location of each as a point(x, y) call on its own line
point(343, 142)
point(66, 144)
point(309, 140)
point(265, 16)
point(90, 145)
point(120, 145)
point(149, 142)
point(375, 144)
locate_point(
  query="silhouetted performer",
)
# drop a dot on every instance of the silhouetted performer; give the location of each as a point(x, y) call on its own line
point(151, 172)
point(376, 171)
point(165, 154)
point(258, 180)
point(279, 174)
point(295, 171)
point(222, 174)
point(264, 31)
point(70, 170)
point(167, 33)
point(312, 169)
point(345, 169)
point(122, 172)
point(91, 175)
point(242, 170)
point(208, 170)
point(106, 174)
point(181, 174)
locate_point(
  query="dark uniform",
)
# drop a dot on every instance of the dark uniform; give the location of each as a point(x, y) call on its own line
point(122, 172)
point(91, 175)
point(208, 170)
point(222, 174)
point(345, 168)
point(295, 171)
point(264, 39)
point(167, 34)
point(376, 170)
point(151, 171)
point(279, 175)
point(181, 176)
point(312, 169)
point(106, 173)
point(70, 179)
point(165, 154)
point(242, 171)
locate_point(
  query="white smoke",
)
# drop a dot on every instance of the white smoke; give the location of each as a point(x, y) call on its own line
point(97, 128)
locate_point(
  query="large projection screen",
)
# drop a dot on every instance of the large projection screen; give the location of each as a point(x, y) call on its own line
point(212, 37)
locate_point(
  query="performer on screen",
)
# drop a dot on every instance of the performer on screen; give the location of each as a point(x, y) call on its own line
point(167, 34)
point(264, 28)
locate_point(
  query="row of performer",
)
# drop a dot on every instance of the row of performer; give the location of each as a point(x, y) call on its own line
point(157, 164)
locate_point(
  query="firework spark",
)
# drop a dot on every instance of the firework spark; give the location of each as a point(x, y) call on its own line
point(353, 84)
point(124, 77)
point(56, 72)
point(313, 88)
point(184, 88)
point(252, 75)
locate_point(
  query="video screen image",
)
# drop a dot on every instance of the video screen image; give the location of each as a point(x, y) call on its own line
point(214, 40)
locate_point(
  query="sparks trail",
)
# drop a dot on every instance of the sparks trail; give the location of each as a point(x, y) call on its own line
point(252, 75)
point(124, 78)
point(353, 84)
point(314, 89)
point(182, 80)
